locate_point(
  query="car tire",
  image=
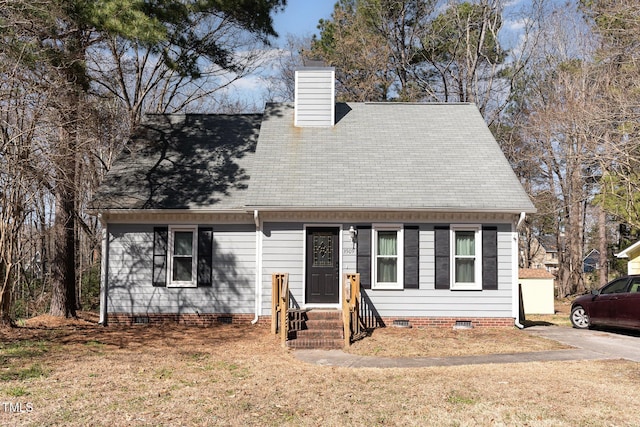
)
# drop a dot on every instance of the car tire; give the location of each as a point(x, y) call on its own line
point(580, 318)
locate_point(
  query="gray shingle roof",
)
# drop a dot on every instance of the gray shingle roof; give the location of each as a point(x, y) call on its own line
point(384, 156)
point(183, 162)
point(387, 156)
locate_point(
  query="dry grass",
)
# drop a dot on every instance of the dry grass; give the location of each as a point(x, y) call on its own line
point(78, 374)
point(398, 342)
point(559, 318)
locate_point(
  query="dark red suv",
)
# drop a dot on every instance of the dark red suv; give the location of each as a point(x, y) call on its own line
point(617, 304)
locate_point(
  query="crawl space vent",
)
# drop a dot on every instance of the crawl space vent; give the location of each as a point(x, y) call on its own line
point(398, 323)
point(227, 320)
point(140, 320)
point(463, 324)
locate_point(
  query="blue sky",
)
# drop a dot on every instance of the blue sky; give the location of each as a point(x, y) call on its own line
point(300, 17)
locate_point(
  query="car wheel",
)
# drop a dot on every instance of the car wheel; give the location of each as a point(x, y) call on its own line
point(579, 318)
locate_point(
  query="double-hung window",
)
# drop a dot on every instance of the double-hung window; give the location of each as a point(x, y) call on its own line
point(183, 256)
point(466, 256)
point(388, 266)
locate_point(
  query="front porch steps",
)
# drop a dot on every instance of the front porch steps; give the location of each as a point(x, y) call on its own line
point(321, 329)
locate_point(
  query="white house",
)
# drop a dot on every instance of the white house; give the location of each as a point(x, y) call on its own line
point(200, 210)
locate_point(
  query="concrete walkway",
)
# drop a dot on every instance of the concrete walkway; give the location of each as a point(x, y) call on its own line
point(588, 345)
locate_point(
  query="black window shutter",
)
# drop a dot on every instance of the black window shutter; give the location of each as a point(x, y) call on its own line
point(205, 256)
point(363, 263)
point(160, 243)
point(442, 253)
point(489, 258)
point(411, 257)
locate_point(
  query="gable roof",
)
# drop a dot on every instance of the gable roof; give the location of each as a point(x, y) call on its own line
point(180, 161)
point(591, 261)
point(378, 156)
point(390, 156)
point(549, 242)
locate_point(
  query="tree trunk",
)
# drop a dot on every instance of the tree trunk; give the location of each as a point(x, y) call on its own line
point(63, 271)
point(563, 271)
point(5, 298)
point(79, 249)
point(603, 272)
point(63, 293)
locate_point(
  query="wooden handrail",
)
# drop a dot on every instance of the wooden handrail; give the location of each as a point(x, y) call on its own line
point(280, 305)
point(353, 326)
point(284, 309)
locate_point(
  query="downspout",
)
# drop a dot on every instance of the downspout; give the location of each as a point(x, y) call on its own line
point(258, 284)
point(103, 271)
point(516, 264)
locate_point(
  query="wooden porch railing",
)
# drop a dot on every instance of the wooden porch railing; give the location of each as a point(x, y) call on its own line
point(280, 305)
point(354, 328)
point(284, 317)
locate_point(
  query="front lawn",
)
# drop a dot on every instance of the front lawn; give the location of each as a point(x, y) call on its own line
point(76, 373)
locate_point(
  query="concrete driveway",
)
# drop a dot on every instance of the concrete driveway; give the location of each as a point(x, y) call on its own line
point(598, 343)
point(588, 345)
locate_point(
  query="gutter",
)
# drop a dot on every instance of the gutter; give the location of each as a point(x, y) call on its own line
point(516, 281)
point(444, 209)
point(258, 284)
point(520, 220)
point(104, 277)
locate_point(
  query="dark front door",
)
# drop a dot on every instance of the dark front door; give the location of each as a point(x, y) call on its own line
point(322, 277)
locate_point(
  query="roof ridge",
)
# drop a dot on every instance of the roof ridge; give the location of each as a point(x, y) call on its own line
point(178, 114)
point(415, 103)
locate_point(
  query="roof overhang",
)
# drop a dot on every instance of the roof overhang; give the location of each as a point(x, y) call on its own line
point(293, 213)
point(172, 215)
point(267, 208)
point(625, 253)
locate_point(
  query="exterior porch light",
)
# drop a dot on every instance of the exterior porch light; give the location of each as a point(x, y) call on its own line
point(354, 235)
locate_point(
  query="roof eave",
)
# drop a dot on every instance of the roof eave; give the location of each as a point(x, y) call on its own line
point(625, 253)
point(272, 208)
point(119, 211)
point(105, 213)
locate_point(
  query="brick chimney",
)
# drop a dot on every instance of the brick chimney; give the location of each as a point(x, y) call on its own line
point(315, 97)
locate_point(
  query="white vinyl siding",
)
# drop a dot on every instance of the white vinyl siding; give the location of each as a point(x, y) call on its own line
point(283, 248)
point(129, 274)
point(282, 252)
point(314, 98)
point(431, 302)
point(130, 265)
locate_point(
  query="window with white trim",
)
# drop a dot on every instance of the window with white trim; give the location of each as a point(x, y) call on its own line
point(388, 265)
point(183, 256)
point(466, 257)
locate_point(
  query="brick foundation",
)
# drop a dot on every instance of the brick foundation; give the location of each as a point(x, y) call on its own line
point(189, 319)
point(450, 322)
point(209, 319)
